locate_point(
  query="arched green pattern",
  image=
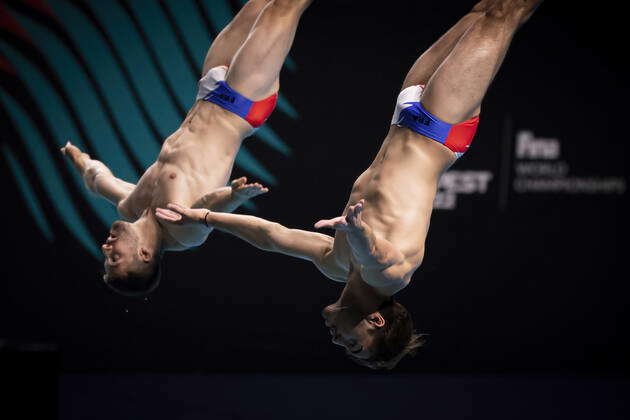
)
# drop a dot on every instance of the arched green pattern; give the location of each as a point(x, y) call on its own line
point(117, 79)
point(48, 174)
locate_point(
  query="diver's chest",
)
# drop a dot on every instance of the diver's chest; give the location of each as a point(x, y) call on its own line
point(168, 185)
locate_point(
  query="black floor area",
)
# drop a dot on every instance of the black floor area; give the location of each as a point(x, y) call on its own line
point(365, 396)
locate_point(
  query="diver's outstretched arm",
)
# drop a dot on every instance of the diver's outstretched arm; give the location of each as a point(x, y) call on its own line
point(98, 178)
point(263, 234)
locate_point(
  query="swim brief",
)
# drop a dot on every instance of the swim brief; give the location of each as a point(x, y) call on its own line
point(411, 114)
point(213, 88)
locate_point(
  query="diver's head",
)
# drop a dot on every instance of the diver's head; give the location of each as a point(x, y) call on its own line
point(378, 340)
point(132, 266)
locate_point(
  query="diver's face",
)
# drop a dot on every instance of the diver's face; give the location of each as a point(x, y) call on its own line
point(348, 330)
point(119, 249)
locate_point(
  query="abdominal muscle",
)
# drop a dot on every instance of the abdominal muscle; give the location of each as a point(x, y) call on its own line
point(195, 160)
point(399, 188)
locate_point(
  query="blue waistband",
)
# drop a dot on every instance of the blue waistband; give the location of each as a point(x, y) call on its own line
point(226, 97)
point(418, 119)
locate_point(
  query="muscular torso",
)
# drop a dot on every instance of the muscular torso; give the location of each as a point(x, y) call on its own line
point(398, 188)
point(194, 160)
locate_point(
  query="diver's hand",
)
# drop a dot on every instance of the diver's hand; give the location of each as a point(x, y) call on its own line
point(76, 156)
point(351, 222)
point(181, 215)
point(244, 191)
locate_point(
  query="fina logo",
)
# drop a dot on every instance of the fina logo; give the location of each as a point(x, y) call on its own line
point(530, 147)
point(539, 169)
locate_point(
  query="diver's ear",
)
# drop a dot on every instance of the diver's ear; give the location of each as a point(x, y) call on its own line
point(145, 254)
point(376, 320)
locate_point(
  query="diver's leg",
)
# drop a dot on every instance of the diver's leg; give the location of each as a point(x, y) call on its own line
point(455, 91)
point(256, 66)
point(233, 35)
point(430, 60)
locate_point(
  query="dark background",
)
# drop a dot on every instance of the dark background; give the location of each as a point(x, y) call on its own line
point(539, 285)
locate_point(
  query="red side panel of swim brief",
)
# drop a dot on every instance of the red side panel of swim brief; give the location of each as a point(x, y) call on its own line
point(461, 135)
point(261, 110)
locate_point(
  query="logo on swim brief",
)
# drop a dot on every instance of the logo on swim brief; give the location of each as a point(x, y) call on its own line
point(413, 113)
point(422, 119)
point(453, 183)
point(226, 98)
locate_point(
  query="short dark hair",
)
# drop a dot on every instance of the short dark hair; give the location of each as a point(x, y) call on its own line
point(395, 340)
point(140, 280)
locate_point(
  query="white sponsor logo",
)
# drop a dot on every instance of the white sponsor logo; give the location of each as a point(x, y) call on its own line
point(530, 147)
point(460, 182)
point(538, 169)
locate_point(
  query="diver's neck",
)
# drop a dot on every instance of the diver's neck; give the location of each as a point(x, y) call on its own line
point(149, 230)
point(360, 296)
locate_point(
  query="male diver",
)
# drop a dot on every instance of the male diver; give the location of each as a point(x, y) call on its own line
point(237, 93)
point(379, 239)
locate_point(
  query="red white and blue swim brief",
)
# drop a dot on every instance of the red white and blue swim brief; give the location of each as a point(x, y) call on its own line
point(411, 114)
point(213, 88)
